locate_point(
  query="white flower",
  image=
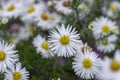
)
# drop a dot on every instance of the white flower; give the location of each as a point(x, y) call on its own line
point(8, 55)
point(103, 26)
point(16, 73)
point(86, 65)
point(48, 20)
point(64, 41)
point(110, 68)
point(83, 9)
point(112, 9)
point(107, 44)
point(12, 9)
point(25, 32)
point(32, 11)
point(63, 6)
point(42, 46)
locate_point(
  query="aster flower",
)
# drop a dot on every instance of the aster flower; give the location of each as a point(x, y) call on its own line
point(47, 20)
point(83, 9)
point(43, 47)
point(107, 44)
point(12, 9)
point(32, 11)
point(63, 6)
point(8, 55)
point(112, 10)
point(110, 69)
point(86, 65)
point(17, 73)
point(104, 26)
point(64, 41)
point(25, 32)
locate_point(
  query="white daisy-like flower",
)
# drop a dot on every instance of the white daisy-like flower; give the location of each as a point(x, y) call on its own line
point(43, 47)
point(25, 32)
point(12, 9)
point(104, 26)
point(63, 6)
point(16, 72)
point(64, 41)
point(32, 11)
point(48, 20)
point(107, 44)
point(83, 9)
point(86, 65)
point(110, 69)
point(8, 55)
point(112, 9)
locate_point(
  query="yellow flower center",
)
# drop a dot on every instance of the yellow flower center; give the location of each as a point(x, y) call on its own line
point(113, 8)
point(52, 18)
point(10, 40)
point(45, 45)
point(91, 26)
point(44, 16)
point(31, 30)
point(31, 10)
point(66, 3)
point(84, 7)
point(114, 65)
point(64, 40)
point(11, 7)
point(1, 9)
point(105, 42)
point(17, 75)
point(87, 48)
point(2, 55)
point(106, 28)
point(113, 30)
point(87, 63)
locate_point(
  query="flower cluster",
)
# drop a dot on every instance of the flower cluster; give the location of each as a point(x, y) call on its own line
point(59, 39)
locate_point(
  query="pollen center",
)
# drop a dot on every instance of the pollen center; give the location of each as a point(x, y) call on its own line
point(87, 48)
point(64, 40)
point(114, 65)
point(44, 16)
point(113, 8)
point(66, 3)
point(31, 30)
point(10, 40)
point(45, 45)
point(11, 7)
point(52, 18)
point(87, 63)
point(2, 55)
point(17, 75)
point(105, 42)
point(106, 29)
point(84, 7)
point(31, 10)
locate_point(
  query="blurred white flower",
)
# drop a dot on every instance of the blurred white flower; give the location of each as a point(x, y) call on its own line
point(110, 68)
point(43, 47)
point(63, 6)
point(12, 9)
point(112, 10)
point(104, 26)
point(48, 20)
